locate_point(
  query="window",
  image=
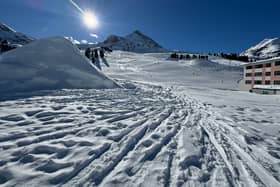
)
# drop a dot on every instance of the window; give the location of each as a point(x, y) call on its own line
point(277, 63)
point(248, 67)
point(277, 82)
point(248, 82)
point(268, 65)
point(258, 82)
point(267, 73)
point(248, 75)
point(258, 74)
point(277, 73)
point(267, 82)
point(259, 66)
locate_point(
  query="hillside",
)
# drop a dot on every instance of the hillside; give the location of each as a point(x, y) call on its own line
point(134, 42)
point(14, 37)
point(268, 48)
point(157, 67)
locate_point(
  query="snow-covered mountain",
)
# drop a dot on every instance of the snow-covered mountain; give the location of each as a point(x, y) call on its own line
point(134, 42)
point(267, 48)
point(52, 63)
point(14, 37)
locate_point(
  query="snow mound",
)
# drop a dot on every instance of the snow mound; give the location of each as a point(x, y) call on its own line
point(7, 33)
point(53, 63)
point(268, 48)
point(134, 42)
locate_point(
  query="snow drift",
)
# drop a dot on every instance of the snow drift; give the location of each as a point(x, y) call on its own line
point(53, 63)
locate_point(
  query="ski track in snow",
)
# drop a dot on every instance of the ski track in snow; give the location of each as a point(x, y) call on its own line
point(127, 137)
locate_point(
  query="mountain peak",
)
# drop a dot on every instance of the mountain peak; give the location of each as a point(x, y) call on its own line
point(14, 37)
point(267, 48)
point(137, 32)
point(135, 42)
point(6, 28)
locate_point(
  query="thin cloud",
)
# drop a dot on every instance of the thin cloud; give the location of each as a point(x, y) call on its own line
point(93, 35)
point(84, 42)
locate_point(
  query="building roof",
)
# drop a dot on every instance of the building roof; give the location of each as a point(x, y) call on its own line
point(263, 61)
point(267, 87)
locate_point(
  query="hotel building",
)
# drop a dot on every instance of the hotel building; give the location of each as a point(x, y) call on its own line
point(262, 76)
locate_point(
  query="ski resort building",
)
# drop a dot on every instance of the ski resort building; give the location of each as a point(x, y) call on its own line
point(262, 77)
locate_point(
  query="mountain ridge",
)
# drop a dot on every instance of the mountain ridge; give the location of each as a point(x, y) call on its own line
point(267, 48)
point(12, 36)
point(133, 42)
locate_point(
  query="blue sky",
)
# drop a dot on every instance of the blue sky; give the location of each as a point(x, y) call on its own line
point(191, 25)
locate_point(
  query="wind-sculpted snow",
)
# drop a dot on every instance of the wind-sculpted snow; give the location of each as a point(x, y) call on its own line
point(145, 136)
point(52, 63)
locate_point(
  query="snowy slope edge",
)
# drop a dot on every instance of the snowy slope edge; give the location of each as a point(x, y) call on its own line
point(46, 64)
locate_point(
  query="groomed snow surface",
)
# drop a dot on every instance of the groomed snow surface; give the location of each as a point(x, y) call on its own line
point(174, 123)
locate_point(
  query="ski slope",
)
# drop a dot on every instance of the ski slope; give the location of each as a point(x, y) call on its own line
point(157, 68)
point(174, 123)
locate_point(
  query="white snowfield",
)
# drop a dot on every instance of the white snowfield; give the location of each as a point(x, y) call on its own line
point(52, 63)
point(175, 124)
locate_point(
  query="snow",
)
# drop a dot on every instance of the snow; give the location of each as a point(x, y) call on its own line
point(135, 42)
point(53, 63)
point(268, 48)
point(276, 87)
point(174, 123)
point(227, 62)
point(157, 68)
point(7, 33)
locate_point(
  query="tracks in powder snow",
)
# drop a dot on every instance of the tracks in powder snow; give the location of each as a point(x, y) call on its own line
point(141, 137)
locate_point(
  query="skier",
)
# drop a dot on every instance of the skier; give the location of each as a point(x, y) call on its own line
point(1, 47)
point(101, 52)
point(96, 58)
point(87, 53)
point(96, 53)
point(4, 46)
point(92, 58)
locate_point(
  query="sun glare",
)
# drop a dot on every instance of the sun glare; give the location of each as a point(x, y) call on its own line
point(90, 20)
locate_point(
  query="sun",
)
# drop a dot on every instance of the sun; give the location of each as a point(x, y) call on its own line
point(90, 20)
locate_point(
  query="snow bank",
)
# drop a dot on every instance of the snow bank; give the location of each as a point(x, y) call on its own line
point(53, 63)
